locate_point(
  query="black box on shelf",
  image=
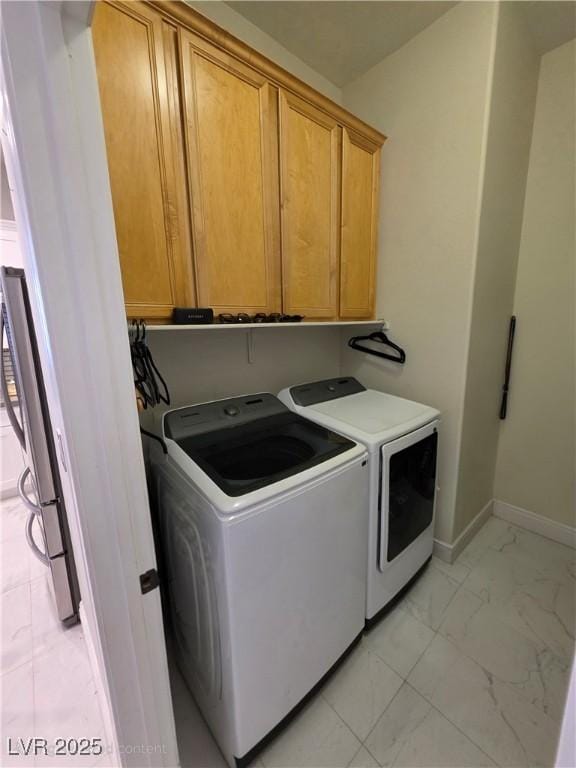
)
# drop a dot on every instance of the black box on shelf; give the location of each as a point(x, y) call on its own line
point(192, 316)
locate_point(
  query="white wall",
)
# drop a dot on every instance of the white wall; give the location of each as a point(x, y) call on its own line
point(227, 18)
point(536, 459)
point(430, 98)
point(207, 365)
point(515, 79)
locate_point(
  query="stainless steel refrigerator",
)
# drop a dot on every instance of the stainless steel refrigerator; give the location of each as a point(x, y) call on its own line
point(39, 484)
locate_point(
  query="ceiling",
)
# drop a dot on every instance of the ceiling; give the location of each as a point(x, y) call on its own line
point(341, 40)
point(551, 23)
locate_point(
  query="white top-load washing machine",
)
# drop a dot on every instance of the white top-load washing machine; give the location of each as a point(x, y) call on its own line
point(402, 440)
point(263, 520)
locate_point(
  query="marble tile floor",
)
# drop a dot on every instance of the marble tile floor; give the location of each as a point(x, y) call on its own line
point(470, 669)
point(46, 684)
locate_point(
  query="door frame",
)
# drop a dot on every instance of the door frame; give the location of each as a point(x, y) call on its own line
point(53, 141)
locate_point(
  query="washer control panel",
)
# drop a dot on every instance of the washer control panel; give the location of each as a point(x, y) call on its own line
point(209, 417)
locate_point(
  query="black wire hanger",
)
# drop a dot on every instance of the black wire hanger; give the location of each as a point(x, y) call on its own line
point(150, 386)
point(380, 338)
point(147, 378)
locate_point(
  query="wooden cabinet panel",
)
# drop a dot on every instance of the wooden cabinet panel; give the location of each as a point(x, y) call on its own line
point(133, 47)
point(310, 208)
point(231, 126)
point(231, 181)
point(360, 178)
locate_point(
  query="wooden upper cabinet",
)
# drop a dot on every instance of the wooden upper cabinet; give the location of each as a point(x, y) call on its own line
point(136, 64)
point(310, 208)
point(235, 186)
point(232, 146)
point(360, 181)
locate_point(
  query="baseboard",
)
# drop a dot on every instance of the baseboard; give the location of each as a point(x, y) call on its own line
point(523, 518)
point(449, 552)
point(442, 551)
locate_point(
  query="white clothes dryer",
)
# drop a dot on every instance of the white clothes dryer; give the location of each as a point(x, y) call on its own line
point(402, 440)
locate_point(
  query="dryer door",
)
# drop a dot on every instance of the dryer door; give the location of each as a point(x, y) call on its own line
point(408, 490)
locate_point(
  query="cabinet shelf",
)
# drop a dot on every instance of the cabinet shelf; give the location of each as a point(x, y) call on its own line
point(251, 326)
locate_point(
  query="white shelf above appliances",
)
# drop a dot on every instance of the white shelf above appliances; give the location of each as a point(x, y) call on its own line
point(251, 326)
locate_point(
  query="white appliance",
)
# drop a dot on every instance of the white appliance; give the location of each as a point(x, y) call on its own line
point(402, 440)
point(263, 521)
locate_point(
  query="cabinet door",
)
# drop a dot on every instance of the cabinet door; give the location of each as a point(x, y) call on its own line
point(310, 203)
point(360, 180)
point(231, 127)
point(135, 60)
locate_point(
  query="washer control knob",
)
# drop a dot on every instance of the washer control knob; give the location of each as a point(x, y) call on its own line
point(231, 410)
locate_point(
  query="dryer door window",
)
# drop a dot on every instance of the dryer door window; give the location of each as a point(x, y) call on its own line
point(408, 490)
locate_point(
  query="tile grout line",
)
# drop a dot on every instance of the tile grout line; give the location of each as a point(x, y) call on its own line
point(443, 616)
point(325, 700)
point(6, 506)
point(487, 603)
point(404, 680)
point(16, 586)
point(453, 581)
point(355, 755)
point(16, 667)
point(426, 698)
point(497, 677)
point(383, 713)
point(466, 736)
point(24, 661)
point(436, 632)
point(362, 742)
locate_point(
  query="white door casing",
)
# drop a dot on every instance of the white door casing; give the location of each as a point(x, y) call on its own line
point(53, 142)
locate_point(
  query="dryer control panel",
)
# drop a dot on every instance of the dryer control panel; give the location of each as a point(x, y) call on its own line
point(329, 389)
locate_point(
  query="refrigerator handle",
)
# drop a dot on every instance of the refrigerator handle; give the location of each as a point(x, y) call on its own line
point(32, 544)
point(34, 508)
point(9, 407)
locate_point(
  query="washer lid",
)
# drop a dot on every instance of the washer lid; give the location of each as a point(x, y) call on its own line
point(371, 416)
point(247, 443)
